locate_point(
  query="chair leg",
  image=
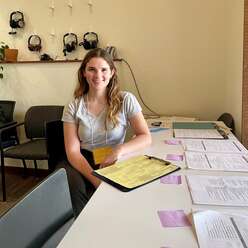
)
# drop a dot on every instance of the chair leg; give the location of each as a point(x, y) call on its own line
point(25, 167)
point(3, 177)
point(35, 168)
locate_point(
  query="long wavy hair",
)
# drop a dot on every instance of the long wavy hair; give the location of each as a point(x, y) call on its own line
point(114, 98)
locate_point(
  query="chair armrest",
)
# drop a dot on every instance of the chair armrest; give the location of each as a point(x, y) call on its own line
point(8, 127)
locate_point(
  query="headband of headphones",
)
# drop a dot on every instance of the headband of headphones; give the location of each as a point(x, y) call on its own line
point(90, 40)
point(70, 42)
point(16, 19)
point(34, 43)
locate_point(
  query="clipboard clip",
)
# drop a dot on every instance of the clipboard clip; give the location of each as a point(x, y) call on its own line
point(159, 159)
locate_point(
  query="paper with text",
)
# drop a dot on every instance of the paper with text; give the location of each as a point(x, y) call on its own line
point(136, 171)
point(221, 230)
point(219, 190)
point(216, 161)
point(220, 146)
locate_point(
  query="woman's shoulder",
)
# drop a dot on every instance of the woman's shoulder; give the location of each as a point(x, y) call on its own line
point(126, 95)
point(75, 101)
point(74, 104)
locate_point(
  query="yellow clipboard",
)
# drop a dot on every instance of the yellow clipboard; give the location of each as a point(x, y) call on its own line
point(135, 172)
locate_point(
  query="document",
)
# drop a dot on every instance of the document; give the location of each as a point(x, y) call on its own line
point(225, 146)
point(219, 190)
point(221, 230)
point(197, 133)
point(216, 161)
point(134, 172)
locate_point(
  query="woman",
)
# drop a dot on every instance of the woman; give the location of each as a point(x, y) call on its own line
point(98, 116)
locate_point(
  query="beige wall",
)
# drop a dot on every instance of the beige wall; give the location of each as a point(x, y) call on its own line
point(186, 55)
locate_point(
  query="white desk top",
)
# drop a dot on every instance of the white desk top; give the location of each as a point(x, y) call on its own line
point(115, 219)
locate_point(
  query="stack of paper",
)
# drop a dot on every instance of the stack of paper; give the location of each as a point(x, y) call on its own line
point(216, 161)
point(225, 146)
point(216, 190)
point(221, 230)
point(196, 130)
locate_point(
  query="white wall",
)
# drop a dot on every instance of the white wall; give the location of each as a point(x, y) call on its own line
point(186, 55)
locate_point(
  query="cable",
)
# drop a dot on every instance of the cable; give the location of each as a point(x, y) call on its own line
point(155, 114)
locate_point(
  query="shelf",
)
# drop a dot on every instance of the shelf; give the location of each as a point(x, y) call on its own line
point(43, 61)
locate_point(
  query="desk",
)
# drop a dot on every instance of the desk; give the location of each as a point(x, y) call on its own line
point(115, 219)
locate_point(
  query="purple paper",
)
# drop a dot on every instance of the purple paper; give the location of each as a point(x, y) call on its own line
point(174, 157)
point(171, 179)
point(173, 142)
point(174, 218)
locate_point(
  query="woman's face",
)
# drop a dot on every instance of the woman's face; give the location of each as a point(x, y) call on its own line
point(98, 74)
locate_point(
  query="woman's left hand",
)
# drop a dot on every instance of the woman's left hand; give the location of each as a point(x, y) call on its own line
point(111, 158)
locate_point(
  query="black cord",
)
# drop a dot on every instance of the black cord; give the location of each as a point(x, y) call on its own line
point(155, 114)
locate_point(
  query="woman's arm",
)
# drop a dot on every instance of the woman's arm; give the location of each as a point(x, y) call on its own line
point(141, 139)
point(76, 159)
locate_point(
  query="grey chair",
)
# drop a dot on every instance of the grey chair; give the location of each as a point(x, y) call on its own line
point(35, 121)
point(41, 218)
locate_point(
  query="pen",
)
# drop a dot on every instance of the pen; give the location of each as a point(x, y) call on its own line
point(159, 159)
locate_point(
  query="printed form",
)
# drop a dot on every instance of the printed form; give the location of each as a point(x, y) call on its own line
point(216, 161)
point(219, 190)
point(221, 146)
point(221, 230)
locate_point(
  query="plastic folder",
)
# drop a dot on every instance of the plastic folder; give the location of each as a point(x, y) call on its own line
point(135, 172)
point(194, 125)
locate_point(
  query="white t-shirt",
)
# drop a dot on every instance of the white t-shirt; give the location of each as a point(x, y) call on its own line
point(91, 129)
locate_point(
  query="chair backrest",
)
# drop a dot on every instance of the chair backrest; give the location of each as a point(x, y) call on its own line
point(55, 143)
point(228, 120)
point(6, 111)
point(34, 219)
point(36, 118)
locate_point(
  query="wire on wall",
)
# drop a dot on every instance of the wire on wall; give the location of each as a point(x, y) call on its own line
point(154, 114)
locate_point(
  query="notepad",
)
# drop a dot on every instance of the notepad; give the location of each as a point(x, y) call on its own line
point(135, 172)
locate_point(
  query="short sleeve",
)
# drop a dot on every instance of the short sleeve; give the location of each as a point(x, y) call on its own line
point(131, 105)
point(70, 110)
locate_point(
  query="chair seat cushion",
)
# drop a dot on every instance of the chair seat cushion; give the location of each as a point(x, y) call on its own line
point(34, 149)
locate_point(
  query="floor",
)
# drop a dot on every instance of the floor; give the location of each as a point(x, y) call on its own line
point(17, 186)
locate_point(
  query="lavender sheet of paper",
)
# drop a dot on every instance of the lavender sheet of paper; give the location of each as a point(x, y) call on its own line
point(171, 179)
point(174, 157)
point(173, 218)
point(173, 142)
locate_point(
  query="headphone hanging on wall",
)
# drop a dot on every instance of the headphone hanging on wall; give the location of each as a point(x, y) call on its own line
point(16, 20)
point(70, 42)
point(34, 43)
point(90, 41)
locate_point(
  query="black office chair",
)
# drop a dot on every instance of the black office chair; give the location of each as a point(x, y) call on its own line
point(228, 120)
point(6, 119)
point(41, 218)
point(8, 138)
point(6, 111)
point(35, 148)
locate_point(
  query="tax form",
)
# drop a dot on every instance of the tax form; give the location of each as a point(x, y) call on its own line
point(221, 230)
point(220, 146)
point(219, 190)
point(216, 161)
